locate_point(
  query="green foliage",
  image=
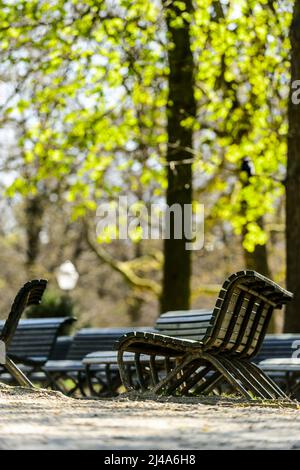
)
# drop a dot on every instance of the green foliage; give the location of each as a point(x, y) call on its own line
point(242, 89)
point(91, 94)
point(87, 96)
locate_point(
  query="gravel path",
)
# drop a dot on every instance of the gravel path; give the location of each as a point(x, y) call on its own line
point(48, 420)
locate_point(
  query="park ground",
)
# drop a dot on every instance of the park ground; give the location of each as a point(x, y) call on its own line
point(48, 420)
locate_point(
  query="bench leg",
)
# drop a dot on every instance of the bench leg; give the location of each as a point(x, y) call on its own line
point(228, 374)
point(109, 380)
point(81, 380)
point(195, 379)
point(210, 384)
point(267, 381)
point(182, 377)
point(153, 370)
point(224, 369)
point(249, 379)
point(125, 372)
point(17, 373)
point(53, 382)
point(139, 372)
point(89, 380)
point(178, 370)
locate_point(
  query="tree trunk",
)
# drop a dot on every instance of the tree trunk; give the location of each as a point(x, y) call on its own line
point(34, 211)
point(292, 320)
point(181, 105)
point(258, 259)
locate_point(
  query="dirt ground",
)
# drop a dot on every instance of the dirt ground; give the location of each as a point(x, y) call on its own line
point(48, 420)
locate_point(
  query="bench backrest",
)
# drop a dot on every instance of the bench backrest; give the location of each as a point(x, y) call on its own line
point(89, 340)
point(242, 313)
point(34, 339)
point(188, 324)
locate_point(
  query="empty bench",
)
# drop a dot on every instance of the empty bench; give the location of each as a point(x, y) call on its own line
point(232, 337)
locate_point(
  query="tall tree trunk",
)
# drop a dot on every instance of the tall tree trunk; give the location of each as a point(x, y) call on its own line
point(34, 211)
point(257, 260)
point(181, 105)
point(292, 320)
point(135, 301)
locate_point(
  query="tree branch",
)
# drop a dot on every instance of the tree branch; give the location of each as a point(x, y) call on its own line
point(122, 267)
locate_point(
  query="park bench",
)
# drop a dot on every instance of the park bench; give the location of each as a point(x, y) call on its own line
point(188, 324)
point(71, 369)
point(30, 294)
point(34, 342)
point(233, 336)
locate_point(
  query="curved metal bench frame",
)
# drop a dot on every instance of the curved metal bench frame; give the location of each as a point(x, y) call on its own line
point(238, 325)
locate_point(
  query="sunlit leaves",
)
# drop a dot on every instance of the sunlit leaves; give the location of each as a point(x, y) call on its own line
point(94, 93)
point(242, 85)
point(91, 94)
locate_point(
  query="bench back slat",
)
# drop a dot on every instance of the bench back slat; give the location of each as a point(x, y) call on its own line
point(88, 340)
point(188, 324)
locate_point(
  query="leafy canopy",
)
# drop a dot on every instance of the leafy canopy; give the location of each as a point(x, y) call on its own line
point(89, 87)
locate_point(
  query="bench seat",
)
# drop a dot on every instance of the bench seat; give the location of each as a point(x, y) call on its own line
point(284, 364)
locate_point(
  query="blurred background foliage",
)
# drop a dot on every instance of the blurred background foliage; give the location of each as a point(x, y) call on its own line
point(84, 100)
